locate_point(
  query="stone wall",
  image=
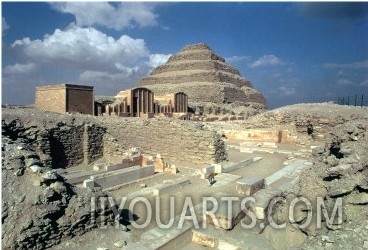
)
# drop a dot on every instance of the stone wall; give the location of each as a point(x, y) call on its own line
point(176, 141)
point(64, 98)
point(59, 144)
point(66, 146)
point(93, 142)
point(51, 98)
point(259, 135)
point(80, 100)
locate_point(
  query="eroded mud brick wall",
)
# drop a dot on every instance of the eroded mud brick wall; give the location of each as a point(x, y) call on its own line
point(73, 145)
point(93, 142)
point(79, 99)
point(66, 146)
point(175, 140)
point(58, 144)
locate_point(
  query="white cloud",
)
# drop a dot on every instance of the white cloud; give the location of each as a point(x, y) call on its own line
point(81, 56)
point(235, 59)
point(111, 15)
point(353, 65)
point(82, 48)
point(20, 68)
point(103, 76)
point(364, 83)
point(287, 90)
point(156, 60)
point(344, 82)
point(4, 25)
point(267, 60)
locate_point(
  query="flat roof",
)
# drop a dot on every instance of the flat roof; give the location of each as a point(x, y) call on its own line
point(65, 86)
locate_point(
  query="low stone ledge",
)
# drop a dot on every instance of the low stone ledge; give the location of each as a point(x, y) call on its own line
point(163, 188)
point(249, 185)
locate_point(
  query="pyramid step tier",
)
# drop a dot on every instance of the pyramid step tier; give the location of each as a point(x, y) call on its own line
point(195, 55)
point(195, 65)
point(186, 76)
point(203, 91)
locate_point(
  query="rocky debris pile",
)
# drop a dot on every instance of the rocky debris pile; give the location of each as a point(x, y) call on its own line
point(339, 176)
point(236, 108)
point(59, 140)
point(323, 117)
point(113, 150)
point(208, 80)
point(39, 208)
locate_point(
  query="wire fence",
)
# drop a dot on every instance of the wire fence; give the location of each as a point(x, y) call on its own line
point(354, 100)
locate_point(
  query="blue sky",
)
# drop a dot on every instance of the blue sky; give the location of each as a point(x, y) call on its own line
point(292, 52)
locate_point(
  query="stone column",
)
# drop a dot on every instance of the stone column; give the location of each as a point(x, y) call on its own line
point(185, 103)
point(118, 110)
point(124, 106)
point(146, 101)
point(151, 102)
point(107, 109)
point(137, 104)
point(141, 101)
point(181, 103)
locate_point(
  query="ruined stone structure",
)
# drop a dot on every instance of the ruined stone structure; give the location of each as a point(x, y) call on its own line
point(65, 98)
point(142, 102)
point(205, 77)
point(176, 140)
point(137, 102)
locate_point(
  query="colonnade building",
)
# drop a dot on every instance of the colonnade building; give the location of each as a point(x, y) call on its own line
point(142, 102)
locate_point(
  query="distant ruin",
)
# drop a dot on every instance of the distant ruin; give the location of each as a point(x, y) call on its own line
point(142, 102)
point(194, 84)
point(65, 98)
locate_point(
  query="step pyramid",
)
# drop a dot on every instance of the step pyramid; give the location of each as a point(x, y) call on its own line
point(205, 77)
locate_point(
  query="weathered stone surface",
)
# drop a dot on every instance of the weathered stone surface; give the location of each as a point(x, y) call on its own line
point(358, 199)
point(174, 140)
point(339, 170)
point(203, 239)
point(345, 185)
point(249, 185)
point(284, 238)
point(55, 144)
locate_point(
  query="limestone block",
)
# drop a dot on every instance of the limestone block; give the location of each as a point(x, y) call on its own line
point(218, 168)
point(98, 166)
point(203, 239)
point(35, 168)
point(269, 145)
point(122, 176)
point(162, 188)
point(159, 164)
point(209, 169)
point(113, 167)
point(173, 169)
point(249, 185)
point(89, 183)
point(262, 199)
point(230, 166)
point(224, 218)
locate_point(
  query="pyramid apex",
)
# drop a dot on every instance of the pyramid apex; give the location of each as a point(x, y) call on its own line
point(196, 46)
